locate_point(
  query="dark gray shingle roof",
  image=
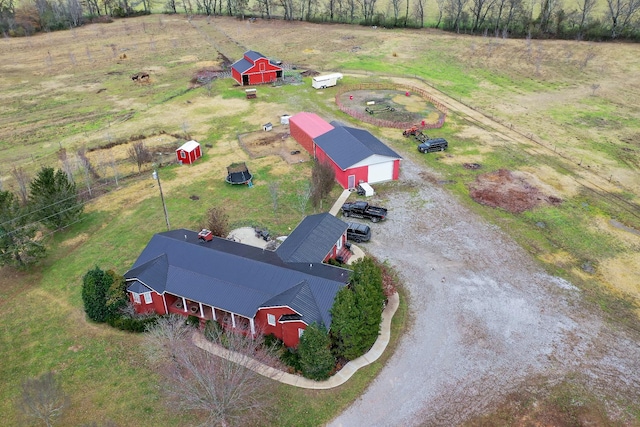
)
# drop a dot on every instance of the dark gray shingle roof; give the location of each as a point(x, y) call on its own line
point(232, 276)
point(312, 239)
point(347, 146)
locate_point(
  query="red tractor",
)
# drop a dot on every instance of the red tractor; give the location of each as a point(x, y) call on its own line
point(411, 131)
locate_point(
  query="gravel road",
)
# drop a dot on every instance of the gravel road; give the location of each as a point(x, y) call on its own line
point(486, 319)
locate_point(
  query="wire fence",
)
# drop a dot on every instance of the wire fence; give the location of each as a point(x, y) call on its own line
point(368, 118)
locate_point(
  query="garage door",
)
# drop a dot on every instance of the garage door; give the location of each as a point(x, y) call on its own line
point(380, 172)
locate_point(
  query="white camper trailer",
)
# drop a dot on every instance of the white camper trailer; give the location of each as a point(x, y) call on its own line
point(321, 82)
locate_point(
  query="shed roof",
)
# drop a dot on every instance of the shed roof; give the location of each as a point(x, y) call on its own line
point(347, 146)
point(189, 146)
point(312, 239)
point(232, 276)
point(312, 124)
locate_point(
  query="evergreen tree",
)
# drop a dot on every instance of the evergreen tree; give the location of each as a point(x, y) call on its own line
point(357, 311)
point(54, 199)
point(18, 246)
point(316, 359)
point(102, 294)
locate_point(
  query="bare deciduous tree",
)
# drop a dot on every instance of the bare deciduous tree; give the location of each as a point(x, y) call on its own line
point(226, 389)
point(218, 221)
point(139, 154)
point(303, 198)
point(43, 399)
point(322, 181)
point(22, 179)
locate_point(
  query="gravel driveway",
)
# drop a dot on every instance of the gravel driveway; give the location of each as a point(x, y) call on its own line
point(486, 319)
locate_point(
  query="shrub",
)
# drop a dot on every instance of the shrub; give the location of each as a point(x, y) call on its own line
point(316, 359)
point(193, 321)
point(133, 324)
point(291, 358)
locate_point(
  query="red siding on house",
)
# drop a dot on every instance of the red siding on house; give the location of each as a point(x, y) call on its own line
point(396, 169)
point(287, 331)
point(156, 305)
point(290, 334)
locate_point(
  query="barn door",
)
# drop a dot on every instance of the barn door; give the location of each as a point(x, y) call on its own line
point(351, 181)
point(245, 79)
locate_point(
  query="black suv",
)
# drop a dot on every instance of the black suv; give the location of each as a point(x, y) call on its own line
point(358, 232)
point(436, 144)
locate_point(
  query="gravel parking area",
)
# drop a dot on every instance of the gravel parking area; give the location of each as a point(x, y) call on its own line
point(486, 320)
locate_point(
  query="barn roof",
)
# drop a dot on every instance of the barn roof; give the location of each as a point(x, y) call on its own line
point(312, 124)
point(312, 239)
point(189, 146)
point(347, 146)
point(232, 276)
point(253, 55)
point(242, 65)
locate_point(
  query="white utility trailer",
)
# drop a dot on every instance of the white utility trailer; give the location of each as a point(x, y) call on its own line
point(321, 82)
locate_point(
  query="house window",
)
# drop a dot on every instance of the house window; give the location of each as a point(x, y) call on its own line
point(300, 332)
point(262, 68)
point(136, 297)
point(183, 154)
point(147, 298)
point(339, 243)
point(271, 319)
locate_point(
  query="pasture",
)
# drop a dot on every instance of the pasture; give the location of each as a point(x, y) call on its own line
point(562, 115)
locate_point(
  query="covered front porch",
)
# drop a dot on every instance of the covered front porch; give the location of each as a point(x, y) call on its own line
point(186, 307)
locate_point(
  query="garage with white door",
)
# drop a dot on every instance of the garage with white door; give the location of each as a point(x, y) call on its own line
point(381, 172)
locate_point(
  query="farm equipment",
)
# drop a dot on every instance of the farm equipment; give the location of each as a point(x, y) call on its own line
point(421, 137)
point(411, 131)
point(379, 109)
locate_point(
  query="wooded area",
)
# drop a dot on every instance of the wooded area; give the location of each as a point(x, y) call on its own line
point(580, 20)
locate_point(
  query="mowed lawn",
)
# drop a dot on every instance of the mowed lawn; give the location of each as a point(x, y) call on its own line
point(73, 88)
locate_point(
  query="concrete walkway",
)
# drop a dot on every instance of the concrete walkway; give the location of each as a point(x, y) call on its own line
point(335, 209)
point(339, 378)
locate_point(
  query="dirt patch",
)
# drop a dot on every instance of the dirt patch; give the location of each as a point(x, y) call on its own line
point(392, 105)
point(273, 143)
point(504, 189)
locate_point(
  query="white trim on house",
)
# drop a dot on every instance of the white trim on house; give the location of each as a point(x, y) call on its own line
point(201, 310)
point(253, 327)
point(147, 298)
point(184, 305)
point(271, 319)
point(373, 160)
point(233, 320)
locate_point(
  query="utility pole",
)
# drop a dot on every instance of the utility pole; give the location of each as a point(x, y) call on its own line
point(156, 176)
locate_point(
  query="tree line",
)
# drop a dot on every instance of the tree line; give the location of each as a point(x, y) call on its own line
point(565, 19)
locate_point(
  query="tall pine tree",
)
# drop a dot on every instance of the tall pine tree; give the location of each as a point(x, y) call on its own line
point(54, 199)
point(357, 311)
point(18, 246)
point(314, 350)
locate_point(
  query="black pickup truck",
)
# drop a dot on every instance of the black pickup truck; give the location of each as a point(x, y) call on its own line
point(364, 210)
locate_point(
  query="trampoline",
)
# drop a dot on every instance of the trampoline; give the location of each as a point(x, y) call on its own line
point(238, 173)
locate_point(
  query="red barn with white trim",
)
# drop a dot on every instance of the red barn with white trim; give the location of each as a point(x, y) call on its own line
point(355, 154)
point(254, 69)
point(188, 152)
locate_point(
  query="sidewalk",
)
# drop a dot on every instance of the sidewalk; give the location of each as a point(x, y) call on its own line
point(339, 378)
point(335, 209)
